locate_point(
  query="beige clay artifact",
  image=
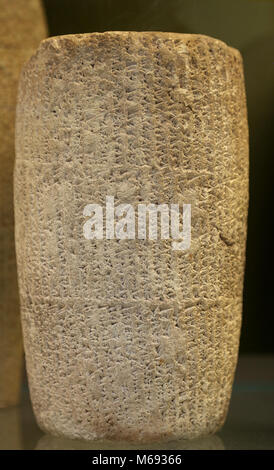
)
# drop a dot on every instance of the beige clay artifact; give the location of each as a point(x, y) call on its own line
point(21, 29)
point(131, 339)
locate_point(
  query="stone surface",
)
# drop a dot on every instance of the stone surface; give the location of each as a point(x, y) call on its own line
point(48, 442)
point(22, 28)
point(129, 339)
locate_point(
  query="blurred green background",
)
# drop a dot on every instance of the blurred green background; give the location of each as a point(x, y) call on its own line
point(249, 26)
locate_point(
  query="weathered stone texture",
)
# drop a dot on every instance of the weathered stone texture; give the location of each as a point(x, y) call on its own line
point(21, 29)
point(128, 339)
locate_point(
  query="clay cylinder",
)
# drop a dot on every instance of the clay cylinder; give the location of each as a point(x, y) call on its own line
point(21, 29)
point(130, 338)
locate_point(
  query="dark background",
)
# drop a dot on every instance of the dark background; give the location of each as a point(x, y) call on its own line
point(249, 26)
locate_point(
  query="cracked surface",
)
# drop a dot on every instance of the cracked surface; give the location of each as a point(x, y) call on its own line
point(22, 28)
point(129, 339)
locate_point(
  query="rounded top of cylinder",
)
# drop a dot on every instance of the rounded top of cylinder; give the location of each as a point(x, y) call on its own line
point(181, 41)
